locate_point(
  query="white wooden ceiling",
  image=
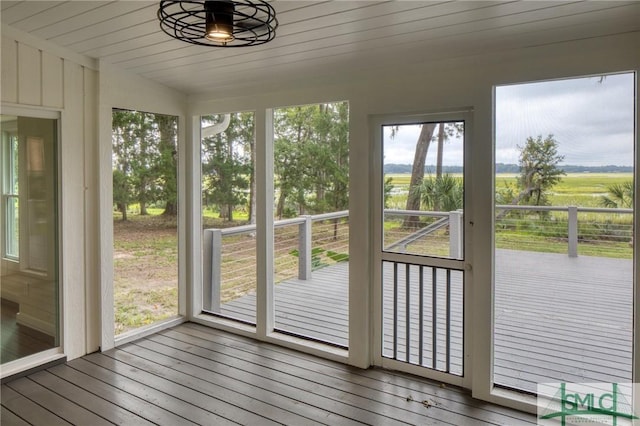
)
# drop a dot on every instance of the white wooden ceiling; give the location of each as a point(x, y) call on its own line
point(316, 39)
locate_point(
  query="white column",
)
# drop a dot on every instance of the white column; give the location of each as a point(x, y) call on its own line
point(264, 222)
point(212, 267)
point(573, 231)
point(455, 234)
point(304, 249)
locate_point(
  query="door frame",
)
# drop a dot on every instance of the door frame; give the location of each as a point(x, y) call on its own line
point(375, 124)
point(64, 294)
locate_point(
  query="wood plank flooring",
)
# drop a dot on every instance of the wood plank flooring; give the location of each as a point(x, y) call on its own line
point(192, 374)
point(556, 318)
point(18, 341)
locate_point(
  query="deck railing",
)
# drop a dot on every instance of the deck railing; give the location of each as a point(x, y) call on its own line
point(569, 222)
point(303, 245)
point(304, 251)
point(453, 220)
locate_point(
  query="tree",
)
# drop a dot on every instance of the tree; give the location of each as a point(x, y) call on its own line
point(388, 188)
point(142, 157)
point(144, 160)
point(123, 148)
point(417, 173)
point(226, 162)
point(294, 135)
point(444, 192)
point(167, 163)
point(121, 192)
point(620, 196)
point(311, 154)
point(446, 131)
point(539, 170)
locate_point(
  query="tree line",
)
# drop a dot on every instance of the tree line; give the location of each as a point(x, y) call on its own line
point(311, 161)
point(394, 168)
point(144, 161)
point(311, 164)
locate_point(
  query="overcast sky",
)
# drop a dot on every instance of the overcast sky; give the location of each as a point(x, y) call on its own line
point(592, 120)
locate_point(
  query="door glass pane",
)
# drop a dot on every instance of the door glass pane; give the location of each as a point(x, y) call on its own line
point(228, 215)
point(145, 213)
point(29, 221)
point(563, 302)
point(424, 188)
point(311, 168)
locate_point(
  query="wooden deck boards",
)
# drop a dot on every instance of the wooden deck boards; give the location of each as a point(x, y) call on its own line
point(192, 374)
point(556, 318)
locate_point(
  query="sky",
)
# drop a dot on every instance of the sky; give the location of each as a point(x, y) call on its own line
point(591, 118)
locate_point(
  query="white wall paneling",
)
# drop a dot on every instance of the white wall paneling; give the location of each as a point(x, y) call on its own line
point(37, 81)
point(52, 81)
point(30, 75)
point(9, 82)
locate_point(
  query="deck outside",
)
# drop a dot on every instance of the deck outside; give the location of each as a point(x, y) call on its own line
point(572, 323)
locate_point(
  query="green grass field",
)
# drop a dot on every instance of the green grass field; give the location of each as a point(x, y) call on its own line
point(599, 234)
point(575, 189)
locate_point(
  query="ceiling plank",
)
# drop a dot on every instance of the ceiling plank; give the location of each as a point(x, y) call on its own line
point(82, 24)
point(23, 10)
point(4, 5)
point(286, 38)
point(331, 24)
point(308, 65)
point(356, 43)
point(61, 11)
point(316, 40)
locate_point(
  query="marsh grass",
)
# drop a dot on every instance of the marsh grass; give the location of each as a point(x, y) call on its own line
point(606, 235)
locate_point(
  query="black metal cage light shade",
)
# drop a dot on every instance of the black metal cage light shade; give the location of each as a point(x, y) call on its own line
point(221, 23)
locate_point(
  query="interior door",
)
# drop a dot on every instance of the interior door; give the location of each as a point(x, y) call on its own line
point(421, 245)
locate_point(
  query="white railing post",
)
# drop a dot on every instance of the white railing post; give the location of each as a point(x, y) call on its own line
point(305, 248)
point(572, 232)
point(207, 239)
point(211, 265)
point(455, 234)
point(216, 270)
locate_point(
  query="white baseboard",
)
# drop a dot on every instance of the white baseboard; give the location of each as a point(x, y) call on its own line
point(35, 323)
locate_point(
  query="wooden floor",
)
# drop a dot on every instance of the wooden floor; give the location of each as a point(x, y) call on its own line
point(18, 341)
point(196, 375)
point(556, 318)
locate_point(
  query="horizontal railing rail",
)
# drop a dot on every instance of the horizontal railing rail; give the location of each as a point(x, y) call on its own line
point(563, 208)
point(453, 219)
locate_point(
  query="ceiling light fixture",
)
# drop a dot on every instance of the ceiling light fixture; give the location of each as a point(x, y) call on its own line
point(219, 23)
